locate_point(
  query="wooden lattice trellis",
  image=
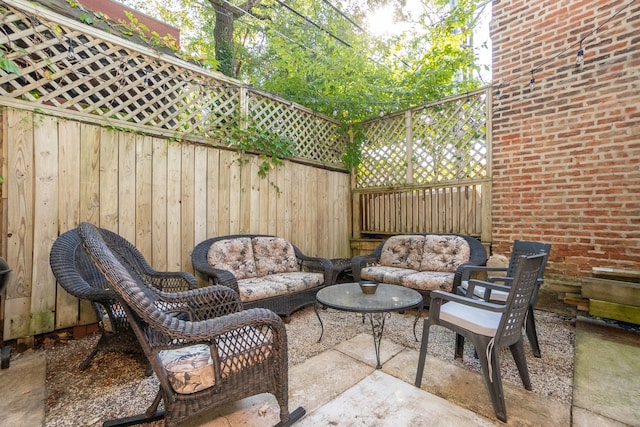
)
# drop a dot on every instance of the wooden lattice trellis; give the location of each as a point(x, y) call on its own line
point(441, 142)
point(75, 68)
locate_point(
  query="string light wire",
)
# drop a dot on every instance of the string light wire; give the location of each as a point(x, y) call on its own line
point(572, 46)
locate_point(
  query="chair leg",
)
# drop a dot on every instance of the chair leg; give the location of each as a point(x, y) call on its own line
point(459, 346)
point(491, 371)
point(517, 350)
point(87, 360)
point(532, 334)
point(423, 352)
point(291, 417)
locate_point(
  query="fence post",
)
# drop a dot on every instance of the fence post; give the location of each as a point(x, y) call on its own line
point(409, 145)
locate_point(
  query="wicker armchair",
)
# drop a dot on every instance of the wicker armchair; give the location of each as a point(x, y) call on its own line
point(77, 274)
point(205, 350)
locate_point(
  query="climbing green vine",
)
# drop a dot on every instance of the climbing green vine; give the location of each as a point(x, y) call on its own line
point(271, 146)
point(355, 138)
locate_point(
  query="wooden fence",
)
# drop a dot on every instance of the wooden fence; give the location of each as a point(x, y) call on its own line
point(426, 169)
point(163, 196)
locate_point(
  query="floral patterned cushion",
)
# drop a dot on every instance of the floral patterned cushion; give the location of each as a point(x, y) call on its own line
point(259, 288)
point(234, 255)
point(273, 255)
point(383, 274)
point(403, 251)
point(298, 280)
point(190, 369)
point(428, 281)
point(444, 253)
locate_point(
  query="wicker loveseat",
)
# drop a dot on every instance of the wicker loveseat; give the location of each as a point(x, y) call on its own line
point(266, 271)
point(423, 262)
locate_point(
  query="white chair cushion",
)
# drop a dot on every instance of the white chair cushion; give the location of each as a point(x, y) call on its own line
point(476, 320)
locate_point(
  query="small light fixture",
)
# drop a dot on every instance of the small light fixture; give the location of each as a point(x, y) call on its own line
point(580, 56)
point(70, 50)
point(532, 82)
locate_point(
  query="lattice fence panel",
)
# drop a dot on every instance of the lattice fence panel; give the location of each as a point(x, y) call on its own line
point(303, 127)
point(384, 156)
point(448, 142)
point(75, 67)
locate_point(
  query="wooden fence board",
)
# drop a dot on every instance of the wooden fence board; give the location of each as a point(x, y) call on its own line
point(200, 216)
point(67, 306)
point(45, 221)
point(20, 184)
point(159, 203)
point(127, 186)
point(144, 194)
point(109, 179)
point(174, 210)
point(217, 212)
point(224, 194)
point(90, 173)
point(235, 192)
point(187, 200)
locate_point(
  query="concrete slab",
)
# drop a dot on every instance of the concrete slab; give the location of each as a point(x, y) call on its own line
point(584, 418)
point(607, 364)
point(467, 389)
point(23, 390)
point(361, 348)
point(381, 400)
point(311, 384)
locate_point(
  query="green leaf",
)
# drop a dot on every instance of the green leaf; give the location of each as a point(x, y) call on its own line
point(9, 66)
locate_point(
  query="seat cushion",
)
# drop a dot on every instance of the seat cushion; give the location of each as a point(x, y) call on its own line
point(476, 320)
point(403, 251)
point(273, 255)
point(444, 253)
point(234, 255)
point(428, 280)
point(256, 288)
point(383, 274)
point(190, 369)
point(298, 280)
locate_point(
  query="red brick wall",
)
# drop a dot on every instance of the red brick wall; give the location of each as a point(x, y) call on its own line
point(566, 157)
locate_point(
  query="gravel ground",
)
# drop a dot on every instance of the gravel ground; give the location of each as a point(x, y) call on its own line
point(115, 385)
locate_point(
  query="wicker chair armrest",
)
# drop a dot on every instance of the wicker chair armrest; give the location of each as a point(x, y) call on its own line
point(190, 332)
point(359, 262)
point(321, 265)
point(202, 303)
point(171, 281)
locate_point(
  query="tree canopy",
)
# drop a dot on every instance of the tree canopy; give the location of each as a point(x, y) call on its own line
point(327, 54)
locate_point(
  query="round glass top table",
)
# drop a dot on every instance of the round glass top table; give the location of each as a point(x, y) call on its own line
point(377, 306)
